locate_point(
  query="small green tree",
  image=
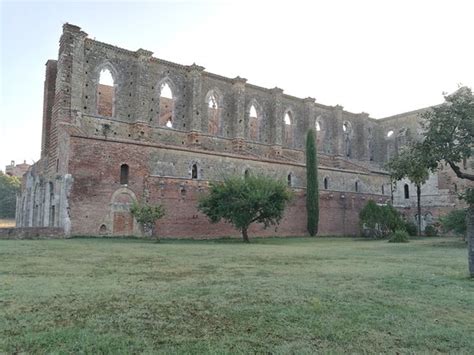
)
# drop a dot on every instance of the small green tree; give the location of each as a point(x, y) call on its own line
point(147, 215)
point(412, 166)
point(379, 221)
point(9, 187)
point(243, 201)
point(312, 188)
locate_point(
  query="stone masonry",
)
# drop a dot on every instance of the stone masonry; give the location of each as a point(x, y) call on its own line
point(162, 131)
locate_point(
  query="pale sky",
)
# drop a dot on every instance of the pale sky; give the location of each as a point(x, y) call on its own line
point(380, 57)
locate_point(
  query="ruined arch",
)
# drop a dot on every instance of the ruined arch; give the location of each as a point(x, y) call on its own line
point(288, 127)
point(213, 104)
point(106, 94)
point(347, 140)
point(166, 115)
point(254, 121)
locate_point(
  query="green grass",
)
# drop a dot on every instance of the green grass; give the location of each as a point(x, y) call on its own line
point(275, 295)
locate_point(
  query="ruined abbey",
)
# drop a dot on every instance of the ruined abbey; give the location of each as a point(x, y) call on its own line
point(160, 132)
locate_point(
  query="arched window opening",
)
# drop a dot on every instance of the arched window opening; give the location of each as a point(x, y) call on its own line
point(383, 190)
point(326, 183)
point(213, 115)
point(406, 190)
point(124, 174)
point(318, 126)
point(356, 186)
point(389, 133)
point(455, 188)
point(288, 119)
point(167, 103)
point(194, 172)
point(105, 94)
point(253, 124)
point(246, 173)
point(371, 150)
point(289, 180)
point(346, 127)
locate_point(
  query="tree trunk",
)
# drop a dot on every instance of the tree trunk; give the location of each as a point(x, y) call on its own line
point(245, 235)
point(418, 202)
point(470, 238)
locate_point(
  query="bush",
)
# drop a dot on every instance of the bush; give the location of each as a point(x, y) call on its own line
point(379, 221)
point(431, 231)
point(399, 236)
point(411, 228)
point(454, 221)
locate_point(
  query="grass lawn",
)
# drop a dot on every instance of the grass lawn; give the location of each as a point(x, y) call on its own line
point(275, 295)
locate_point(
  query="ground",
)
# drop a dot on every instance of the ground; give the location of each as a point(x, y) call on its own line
point(275, 295)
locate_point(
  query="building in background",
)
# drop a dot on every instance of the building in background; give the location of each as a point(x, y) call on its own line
point(17, 169)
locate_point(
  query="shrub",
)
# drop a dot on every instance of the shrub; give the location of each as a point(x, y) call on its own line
point(399, 236)
point(379, 221)
point(454, 221)
point(431, 231)
point(411, 228)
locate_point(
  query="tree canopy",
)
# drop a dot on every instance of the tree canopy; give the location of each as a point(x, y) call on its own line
point(147, 215)
point(242, 201)
point(449, 133)
point(9, 186)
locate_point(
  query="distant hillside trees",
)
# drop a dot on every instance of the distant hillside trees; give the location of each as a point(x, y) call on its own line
point(9, 187)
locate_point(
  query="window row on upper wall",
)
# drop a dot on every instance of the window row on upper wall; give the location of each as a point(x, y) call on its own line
point(165, 115)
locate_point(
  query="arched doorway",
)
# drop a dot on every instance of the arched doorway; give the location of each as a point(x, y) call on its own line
point(122, 219)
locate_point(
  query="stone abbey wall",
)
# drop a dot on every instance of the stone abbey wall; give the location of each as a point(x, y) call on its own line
point(172, 147)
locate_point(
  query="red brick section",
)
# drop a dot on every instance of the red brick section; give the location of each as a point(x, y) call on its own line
point(48, 102)
point(105, 100)
point(95, 166)
point(166, 111)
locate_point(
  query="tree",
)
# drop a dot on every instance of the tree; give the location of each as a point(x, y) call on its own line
point(312, 190)
point(147, 215)
point(242, 201)
point(379, 221)
point(9, 187)
point(413, 166)
point(449, 138)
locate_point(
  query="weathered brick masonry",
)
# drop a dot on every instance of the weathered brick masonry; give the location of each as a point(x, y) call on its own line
point(162, 131)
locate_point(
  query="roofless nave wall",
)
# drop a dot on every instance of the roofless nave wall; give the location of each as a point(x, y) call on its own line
point(159, 131)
